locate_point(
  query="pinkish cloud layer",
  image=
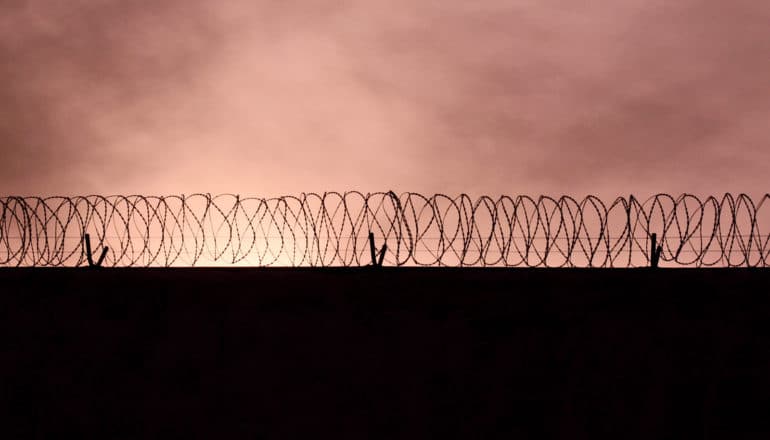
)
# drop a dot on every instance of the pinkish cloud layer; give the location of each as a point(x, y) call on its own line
point(274, 97)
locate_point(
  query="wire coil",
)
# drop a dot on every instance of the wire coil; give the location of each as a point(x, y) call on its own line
point(331, 229)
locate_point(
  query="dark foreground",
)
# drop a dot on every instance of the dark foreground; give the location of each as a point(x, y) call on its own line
point(390, 353)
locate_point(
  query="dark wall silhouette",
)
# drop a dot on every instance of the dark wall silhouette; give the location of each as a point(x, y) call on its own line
point(385, 353)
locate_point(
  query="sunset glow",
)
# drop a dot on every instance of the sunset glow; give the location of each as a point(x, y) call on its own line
point(495, 97)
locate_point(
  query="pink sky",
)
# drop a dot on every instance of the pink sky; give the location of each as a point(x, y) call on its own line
point(279, 97)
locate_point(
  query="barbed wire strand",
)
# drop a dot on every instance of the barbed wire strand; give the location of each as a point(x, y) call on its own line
point(331, 229)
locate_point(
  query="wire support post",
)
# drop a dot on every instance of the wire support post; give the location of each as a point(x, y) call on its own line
point(89, 254)
point(376, 261)
point(655, 250)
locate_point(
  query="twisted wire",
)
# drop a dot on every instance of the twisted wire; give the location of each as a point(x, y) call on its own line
point(331, 229)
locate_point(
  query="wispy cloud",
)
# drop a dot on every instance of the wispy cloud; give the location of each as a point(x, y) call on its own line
point(267, 97)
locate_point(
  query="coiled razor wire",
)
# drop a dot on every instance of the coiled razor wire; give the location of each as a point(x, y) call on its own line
point(332, 229)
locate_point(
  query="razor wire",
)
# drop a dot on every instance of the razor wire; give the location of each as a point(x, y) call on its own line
point(332, 229)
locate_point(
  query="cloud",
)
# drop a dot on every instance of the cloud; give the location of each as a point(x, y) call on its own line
point(501, 96)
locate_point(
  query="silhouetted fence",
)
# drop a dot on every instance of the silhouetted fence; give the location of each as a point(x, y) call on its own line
point(332, 229)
